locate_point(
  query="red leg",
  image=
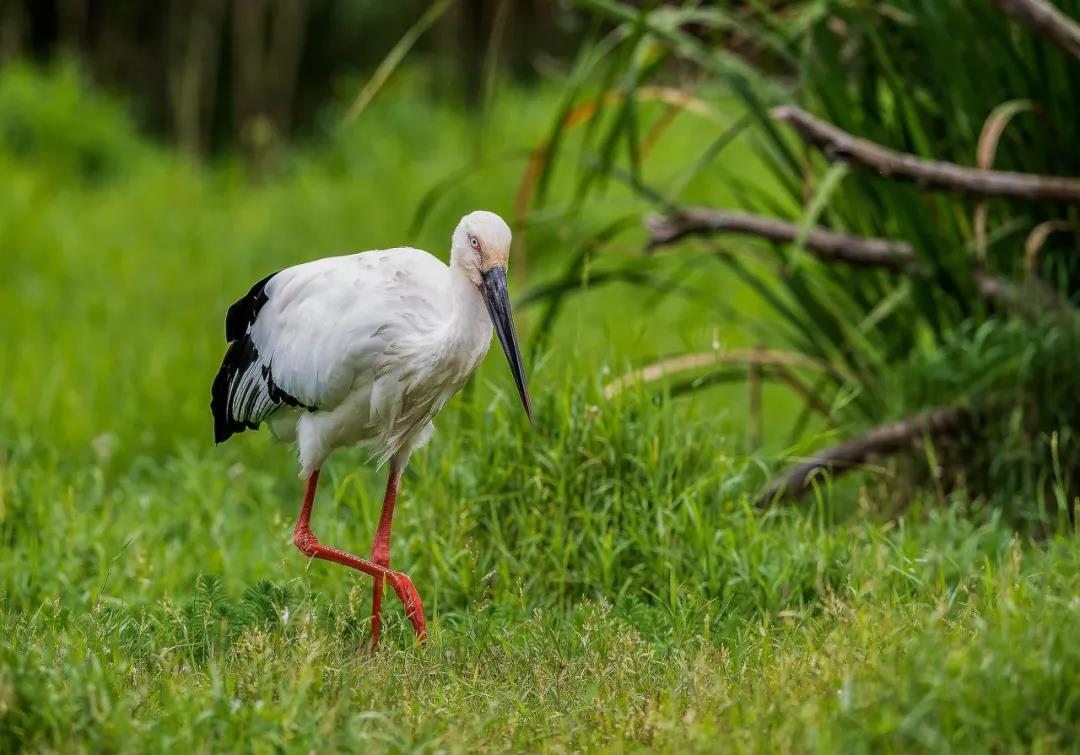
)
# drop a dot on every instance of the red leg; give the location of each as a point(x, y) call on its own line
point(380, 550)
point(309, 545)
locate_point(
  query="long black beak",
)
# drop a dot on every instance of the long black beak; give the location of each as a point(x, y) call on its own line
point(498, 306)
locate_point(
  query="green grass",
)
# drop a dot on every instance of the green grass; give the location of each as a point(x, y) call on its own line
point(598, 583)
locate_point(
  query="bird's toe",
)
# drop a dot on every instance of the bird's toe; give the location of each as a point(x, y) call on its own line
point(410, 599)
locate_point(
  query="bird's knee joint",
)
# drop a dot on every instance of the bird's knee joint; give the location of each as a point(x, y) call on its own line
point(305, 541)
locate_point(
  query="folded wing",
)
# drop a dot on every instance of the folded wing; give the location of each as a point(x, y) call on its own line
point(303, 336)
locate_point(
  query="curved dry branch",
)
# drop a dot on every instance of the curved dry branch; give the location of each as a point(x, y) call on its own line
point(883, 440)
point(838, 144)
point(685, 362)
point(1047, 20)
point(830, 246)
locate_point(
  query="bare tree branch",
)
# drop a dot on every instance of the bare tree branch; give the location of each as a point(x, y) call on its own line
point(883, 440)
point(830, 246)
point(1029, 300)
point(1047, 20)
point(838, 144)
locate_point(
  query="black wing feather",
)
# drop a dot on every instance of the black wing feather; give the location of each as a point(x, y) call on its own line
point(242, 369)
point(242, 314)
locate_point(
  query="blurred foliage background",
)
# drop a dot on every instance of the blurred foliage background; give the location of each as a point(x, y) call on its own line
point(214, 75)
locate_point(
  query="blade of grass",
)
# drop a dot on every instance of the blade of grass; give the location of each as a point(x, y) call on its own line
point(393, 59)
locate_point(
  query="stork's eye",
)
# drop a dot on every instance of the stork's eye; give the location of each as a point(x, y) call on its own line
point(474, 243)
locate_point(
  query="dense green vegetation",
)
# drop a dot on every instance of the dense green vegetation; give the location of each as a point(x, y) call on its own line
point(982, 318)
point(600, 582)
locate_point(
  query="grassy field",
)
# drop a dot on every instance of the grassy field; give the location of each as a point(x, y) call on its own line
point(598, 583)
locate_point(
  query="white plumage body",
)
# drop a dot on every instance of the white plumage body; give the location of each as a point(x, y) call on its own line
point(359, 349)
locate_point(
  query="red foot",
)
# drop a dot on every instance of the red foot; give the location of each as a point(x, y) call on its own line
point(414, 608)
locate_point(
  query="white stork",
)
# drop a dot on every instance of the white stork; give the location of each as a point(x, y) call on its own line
point(365, 349)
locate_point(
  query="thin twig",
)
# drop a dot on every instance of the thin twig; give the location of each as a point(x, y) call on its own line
point(1047, 20)
point(884, 440)
point(838, 144)
point(827, 245)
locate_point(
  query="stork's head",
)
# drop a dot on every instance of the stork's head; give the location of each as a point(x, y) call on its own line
point(481, 247)
point(481, 243)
